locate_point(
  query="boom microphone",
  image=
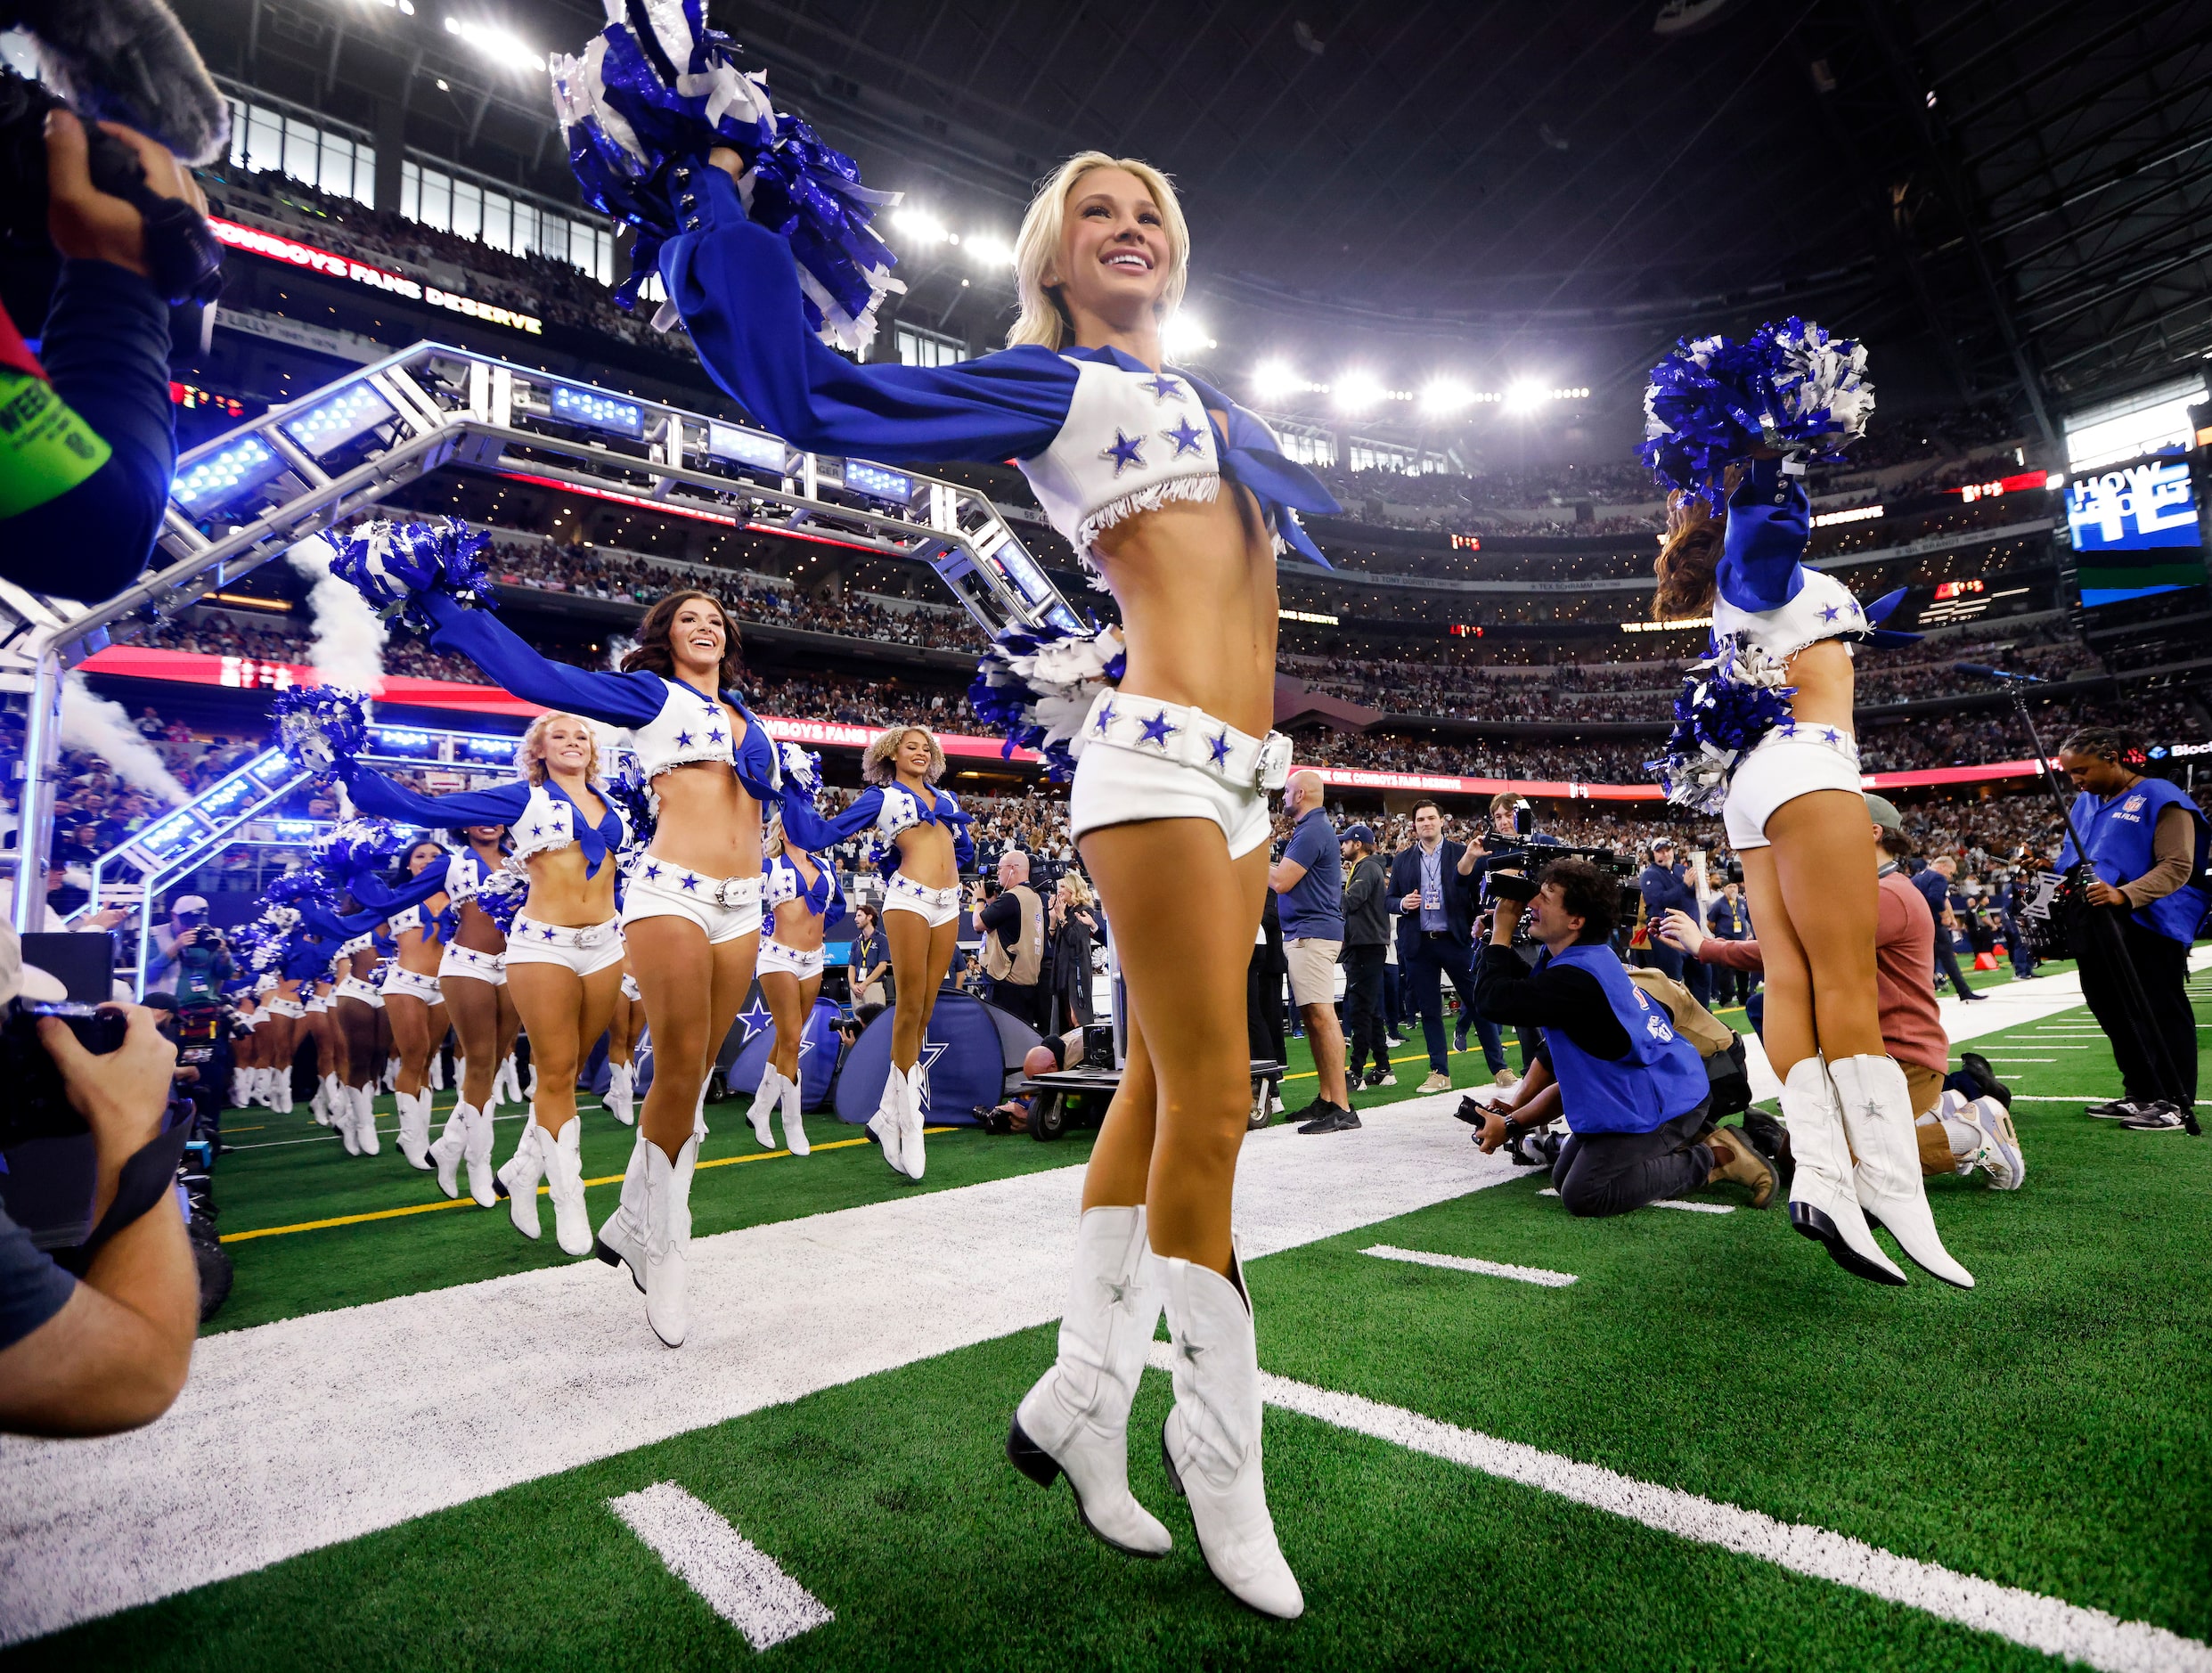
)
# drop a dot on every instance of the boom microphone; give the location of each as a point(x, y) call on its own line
point(1987, 672)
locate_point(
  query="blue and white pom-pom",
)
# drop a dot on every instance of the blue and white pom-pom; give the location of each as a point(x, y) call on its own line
point(347, 849)
point(1037, 684)
point(320, 726)
point(1728, 702)
point(1713, 402)
point(656, 86)
point(392, 564)
point(628, 788)
point(802, 770)
point(500, 896)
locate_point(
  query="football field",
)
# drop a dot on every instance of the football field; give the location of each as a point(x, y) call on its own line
point(1496, 1435)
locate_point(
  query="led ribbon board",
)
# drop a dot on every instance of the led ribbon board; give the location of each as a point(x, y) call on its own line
point(255, 242)
point(2135, 530)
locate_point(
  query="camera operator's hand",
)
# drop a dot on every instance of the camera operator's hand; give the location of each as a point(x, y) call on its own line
point(1506, 915)
point(1677, 928)
point(85, 222)
point(107, 917)
point(122, 1096)
point(2098, 893)
point(1491, 1132)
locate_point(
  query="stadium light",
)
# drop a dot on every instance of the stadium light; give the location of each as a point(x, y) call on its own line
point(988, 249)
point(406, 8)
point(1355, 391)
point(242, 465)
point(503, 48)
point(1274, 380)
point(1444, 396)
point(920, 226)
point(350, 412)
point(1187, 334)
point(1523, 395)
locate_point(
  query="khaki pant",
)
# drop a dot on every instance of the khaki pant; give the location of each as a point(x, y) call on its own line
point(1926, 1086)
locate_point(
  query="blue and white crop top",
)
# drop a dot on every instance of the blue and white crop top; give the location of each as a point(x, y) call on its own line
point(1761, 587)
point(464, 876)
point(781, 882)
point(540, 818)
point(888, 809)
point(1100, 436)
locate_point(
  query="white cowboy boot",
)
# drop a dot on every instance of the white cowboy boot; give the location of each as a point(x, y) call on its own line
point(319, 1105)
point(916, 1091)
point(517, 1179)
point(414, 1130)
point(451, 1140)
point(793, 1123)
point(888, 1123)
point(1823, 1199)
point(364, 1121)
point(391, 1072)
point(1075, 1420)
point(531, 1090)
point(1212, 1441)
point(477, 1152)
point(621, 1240)
point(564, 1173)
point(621, 1092)
point(1878, 1116)
point(438, 1071)
point(667, 1240)
point(281, 1098)
point(765, 1101)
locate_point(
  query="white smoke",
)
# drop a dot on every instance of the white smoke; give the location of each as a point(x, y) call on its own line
point(618, 646)
point(348, 648)
point(103, 727)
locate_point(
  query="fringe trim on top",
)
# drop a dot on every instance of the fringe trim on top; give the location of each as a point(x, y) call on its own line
point(1202, 487)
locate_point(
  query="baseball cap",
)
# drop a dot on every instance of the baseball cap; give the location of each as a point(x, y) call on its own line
point(1662, 842)
point(1885, 814)
point(18, 979)
point(189, 903)
point(1356, 834)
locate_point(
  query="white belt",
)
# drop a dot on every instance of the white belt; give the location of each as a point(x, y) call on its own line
point(1189, 737)
point(687, 885)
point(904, 885)
point(583, 938)
point(1805, 732)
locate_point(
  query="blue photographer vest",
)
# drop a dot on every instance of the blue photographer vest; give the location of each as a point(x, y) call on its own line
point(2119, 836)
point(1659, 1077)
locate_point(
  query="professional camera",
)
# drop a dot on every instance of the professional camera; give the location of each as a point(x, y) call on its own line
point(38, 1104)
point(1519, 883)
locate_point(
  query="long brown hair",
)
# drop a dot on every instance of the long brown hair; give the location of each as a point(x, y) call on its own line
point(652, 652)
point(1689, 558)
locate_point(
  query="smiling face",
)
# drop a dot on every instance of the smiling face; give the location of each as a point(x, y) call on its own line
point(1114, 258)
point(422, 856)
point(567, 746)
point(698, 637)
point(488, 836)
point(913, 754)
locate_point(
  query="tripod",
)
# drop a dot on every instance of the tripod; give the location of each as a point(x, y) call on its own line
point(2103, 924)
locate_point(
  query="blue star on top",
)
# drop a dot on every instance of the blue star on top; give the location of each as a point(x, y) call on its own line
point(538, 831)
point(1220, 747)
point(1105, 717)
point(1163, 387)
point(1186, 435)
point(1125, 453)
point(1829, 612)
point(683, 740)
point(1156, 729)
point(714, 737)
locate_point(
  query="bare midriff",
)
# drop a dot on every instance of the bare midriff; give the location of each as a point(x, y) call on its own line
point(362, 964)
point(417, 952)
point(926, 850)
point(561, 894)
point(477, 932)
point(797, 926)
point(1195, 582)
point(1822, 674)
point(709, 822)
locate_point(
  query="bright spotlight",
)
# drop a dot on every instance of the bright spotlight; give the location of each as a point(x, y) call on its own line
point(1524, 396)
point(1444, 396)
point(1187, 334)
point(920, 226)
point(986, 249)
point(1356, 391)
point(503, 48)
point(1275, 381)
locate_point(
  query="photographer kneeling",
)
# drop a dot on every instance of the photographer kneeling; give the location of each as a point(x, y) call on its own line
point(110, 1351)
point(1634, 1093)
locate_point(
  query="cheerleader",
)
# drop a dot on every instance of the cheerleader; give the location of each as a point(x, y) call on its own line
point(802, 894)
point(1181, 501)
point(415, 1003)
point(922, 844)
point(472, 975)
point(563, 957)
point(246, 1047)
point(314, 1000)
point(356, 1007)
point(1767, 732)
point(624, 1032)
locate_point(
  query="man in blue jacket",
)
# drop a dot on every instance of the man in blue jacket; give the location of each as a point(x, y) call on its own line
point(1934, 880)
point(1665, 889)
point(1433, 894)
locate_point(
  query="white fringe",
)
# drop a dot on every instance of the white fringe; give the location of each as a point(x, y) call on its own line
point(1204, 487)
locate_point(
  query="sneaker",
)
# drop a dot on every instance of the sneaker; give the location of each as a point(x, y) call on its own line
point(1438, 1082)
point(2155, 1118)
point(1334, 1119)
point(1312, 1112)
point(1459, 1045)
point(1382, 1077)
point(1504, 1077)
point(1393, 1041)
point(2116, 1109)
point(2000, 1155)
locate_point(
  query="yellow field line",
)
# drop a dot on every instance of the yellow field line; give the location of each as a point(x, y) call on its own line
point(469, 1202)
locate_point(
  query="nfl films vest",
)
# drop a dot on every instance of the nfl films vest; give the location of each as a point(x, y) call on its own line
point(1660, 1076)
point(1024, 964)
point(2119, 834)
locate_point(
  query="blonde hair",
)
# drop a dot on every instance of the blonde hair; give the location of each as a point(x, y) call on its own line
point(1043, 319)
point(1077, 891)
point(877, 767)
point(530, 753)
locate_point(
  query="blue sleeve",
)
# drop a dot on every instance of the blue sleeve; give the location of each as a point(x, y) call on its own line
point(737, 288)
point(619, 699)
point(106, 351)
point(374, 793)
point(1770, 520)
point(963, 846)
point(867, 806)
point(380, 900)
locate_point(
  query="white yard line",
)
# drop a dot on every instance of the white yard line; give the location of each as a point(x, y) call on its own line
point(1544, 1276)
point(739, 1581)
point(1670, 1202)
point(2048, 1624)
point(311, 1430)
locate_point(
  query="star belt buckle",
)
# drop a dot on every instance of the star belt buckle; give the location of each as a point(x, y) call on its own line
point(1270, 770)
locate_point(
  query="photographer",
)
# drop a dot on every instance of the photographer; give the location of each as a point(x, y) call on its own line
point(1634, 1093)
point(190, 959)
point(110, 1351)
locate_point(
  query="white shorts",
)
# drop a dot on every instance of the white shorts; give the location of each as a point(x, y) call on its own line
point(726, 908)
point(586, 950)
point(266, 985)
point(355, 987)
point(776, 956)
point(1786, 764)
point(936, 907)
point(320, 1002)
point(292, 1009)
point(414, 985)
point(630, 990)
point(1312, 969)
point(477, 966)
point(1119, 784)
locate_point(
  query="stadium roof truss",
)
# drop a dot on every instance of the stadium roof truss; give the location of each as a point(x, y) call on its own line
point(251, 495)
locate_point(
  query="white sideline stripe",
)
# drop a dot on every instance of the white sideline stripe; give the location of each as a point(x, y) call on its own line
point(449, 1395)
point(1672, 1202)
point(1544, 1276)
point(739, 1581)
point(2048, 1624)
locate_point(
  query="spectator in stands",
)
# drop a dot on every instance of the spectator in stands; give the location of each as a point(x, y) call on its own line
point(1934, 882)
point(1310, 879)
point(1431, 893)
